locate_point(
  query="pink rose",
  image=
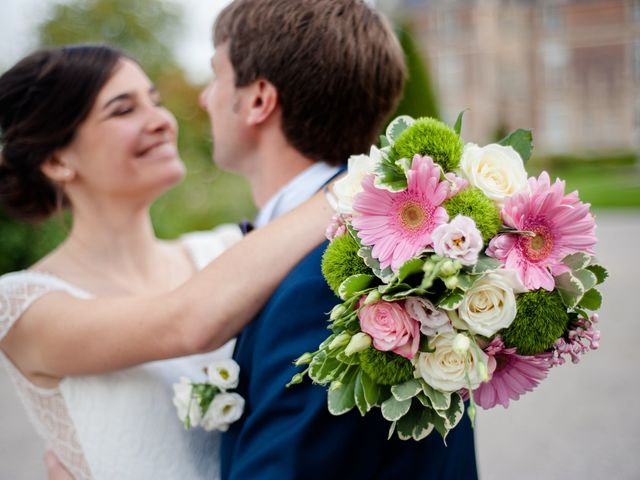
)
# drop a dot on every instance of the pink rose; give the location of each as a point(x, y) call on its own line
point(391, 328)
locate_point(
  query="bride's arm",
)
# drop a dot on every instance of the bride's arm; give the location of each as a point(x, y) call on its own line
point(61, 335)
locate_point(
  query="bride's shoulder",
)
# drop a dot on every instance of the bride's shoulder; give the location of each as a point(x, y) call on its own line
point(205, 245)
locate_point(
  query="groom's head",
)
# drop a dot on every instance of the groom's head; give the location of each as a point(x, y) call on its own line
point(325, 73)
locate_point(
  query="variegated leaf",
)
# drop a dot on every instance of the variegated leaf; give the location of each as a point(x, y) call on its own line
point(393, 409)
point(439, 400)
point(406, 390)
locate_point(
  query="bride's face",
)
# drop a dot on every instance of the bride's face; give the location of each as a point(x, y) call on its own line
point(127, 145)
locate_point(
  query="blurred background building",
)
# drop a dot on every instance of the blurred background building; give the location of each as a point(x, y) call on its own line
point(569, 69)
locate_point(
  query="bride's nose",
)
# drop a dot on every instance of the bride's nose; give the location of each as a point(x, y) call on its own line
point(203, 98)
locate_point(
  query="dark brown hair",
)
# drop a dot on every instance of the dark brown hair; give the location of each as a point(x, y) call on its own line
point(43, 100)
point(336, 64)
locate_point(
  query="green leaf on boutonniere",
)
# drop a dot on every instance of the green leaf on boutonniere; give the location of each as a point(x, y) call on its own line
point(406, 390)
point(592, 300)
point(397, 126)
point(521, 141)
point(599, 271)
point(354, 284)
point(342, 398)
point(393, 409)
point(458, 125)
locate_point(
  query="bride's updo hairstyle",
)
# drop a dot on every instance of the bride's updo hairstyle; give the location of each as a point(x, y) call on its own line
point(43, 100)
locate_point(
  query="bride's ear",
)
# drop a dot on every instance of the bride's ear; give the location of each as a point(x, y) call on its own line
point(56, 169)
point(264, 102)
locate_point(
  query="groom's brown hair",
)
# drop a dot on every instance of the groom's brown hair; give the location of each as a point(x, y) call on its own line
point(336, 64)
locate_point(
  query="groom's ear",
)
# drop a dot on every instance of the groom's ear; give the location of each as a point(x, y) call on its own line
point(264, 101)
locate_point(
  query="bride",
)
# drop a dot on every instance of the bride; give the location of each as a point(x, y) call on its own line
point(94, 335)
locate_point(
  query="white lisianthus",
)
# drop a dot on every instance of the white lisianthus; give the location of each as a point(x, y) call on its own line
point(445, 369)
point(184, 401)
point(347, 188)
point(490, 304)
point(224, 374)
point(495, 169)
point(432, 320)
point(225, 408)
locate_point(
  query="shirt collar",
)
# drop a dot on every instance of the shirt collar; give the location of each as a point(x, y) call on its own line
point(299, 189)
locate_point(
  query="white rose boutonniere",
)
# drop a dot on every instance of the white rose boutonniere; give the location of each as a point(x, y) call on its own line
point(495, 169)
point(490, 304)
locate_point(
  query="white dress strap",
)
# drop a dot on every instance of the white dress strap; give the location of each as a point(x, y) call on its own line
point(18, 290)
point(206, 245)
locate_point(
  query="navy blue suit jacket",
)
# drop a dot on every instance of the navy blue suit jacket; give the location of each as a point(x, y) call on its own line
point(288, 433)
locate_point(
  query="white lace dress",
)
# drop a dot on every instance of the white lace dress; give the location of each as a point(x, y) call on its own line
point(120, 425)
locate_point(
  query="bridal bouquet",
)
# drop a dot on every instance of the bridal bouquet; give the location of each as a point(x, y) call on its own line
point(209, 404)
point(460, 279)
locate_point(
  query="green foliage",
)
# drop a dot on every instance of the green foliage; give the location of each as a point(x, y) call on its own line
point(340, 261)
point(385, 368)
point(541, 319)
point(475, 204)
point(521, 141)
point(431, 137)
point(419, 97)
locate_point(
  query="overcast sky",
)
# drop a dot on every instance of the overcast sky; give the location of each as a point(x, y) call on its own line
point(20, 18)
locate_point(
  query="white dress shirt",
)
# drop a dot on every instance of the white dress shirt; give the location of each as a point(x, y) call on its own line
point(300, 188)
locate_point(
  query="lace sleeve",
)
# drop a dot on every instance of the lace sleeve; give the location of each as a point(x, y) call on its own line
point(19, 290)
point(207, 245)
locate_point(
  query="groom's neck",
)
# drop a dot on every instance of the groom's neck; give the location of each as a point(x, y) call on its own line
point(276, 166)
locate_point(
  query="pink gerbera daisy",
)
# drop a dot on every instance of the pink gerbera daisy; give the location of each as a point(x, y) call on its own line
point(557, 225)
point(399, 224)
point(513, 375)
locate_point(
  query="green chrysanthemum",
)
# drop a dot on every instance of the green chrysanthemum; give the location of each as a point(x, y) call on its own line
point(541, 320)
point(431, 137)
point(385, 368)
point(341, 260)
point(476, 205)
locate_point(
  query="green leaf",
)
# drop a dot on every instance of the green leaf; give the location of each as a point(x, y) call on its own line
point(591, 300)
point(451, 301)
point(404, 164)
point(465, 282)
point(411, 267)
point(485, 264)
point(521, 141)
point(587, 278)
point(390, 177)
point(458, 125)
point(424, 426)
point(599, 271)
point(371, 390)
point(370, 261)
point(342, 399)
point(384, 141)
point(348, 359)
point(406, 390)
point(577, 261)
point(569, 288)
point(359, 396)
point(439, 400)
point(354, 284)
point(405, 425)
point(424, 345)
point(440, 424)
point(397, 126)
point(325, 368)
point(393, 409)
point(454, 413)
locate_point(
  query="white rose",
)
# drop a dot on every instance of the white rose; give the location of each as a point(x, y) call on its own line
point(495, 169)
point(490, 304)
point(225, 408)
point(185, 402)
point(347, 188)
point(224, 374)
point(445, 369)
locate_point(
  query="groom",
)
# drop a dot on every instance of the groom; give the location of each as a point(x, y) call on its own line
point(299, 86)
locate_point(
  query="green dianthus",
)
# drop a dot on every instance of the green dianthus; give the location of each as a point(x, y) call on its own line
point(476, 205)
point(431, 137)
point(541, 319)
point(385, 368)
point(340, 260)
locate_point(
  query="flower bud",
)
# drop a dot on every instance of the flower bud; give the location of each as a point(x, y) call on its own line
point(461, 344)
point(451, 282)
point(337, 312)
point(304, 359)
point(448, 268)
point(483, 373)
point(359, 342)
point(340, 341)
point(428, 267)
point(373, 297)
